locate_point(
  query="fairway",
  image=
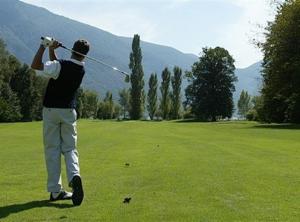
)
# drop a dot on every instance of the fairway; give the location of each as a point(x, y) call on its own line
point(173, 171)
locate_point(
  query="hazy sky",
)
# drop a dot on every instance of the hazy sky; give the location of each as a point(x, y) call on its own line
point(187, 25)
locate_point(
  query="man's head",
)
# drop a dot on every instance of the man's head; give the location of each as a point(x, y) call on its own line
point(82, 46)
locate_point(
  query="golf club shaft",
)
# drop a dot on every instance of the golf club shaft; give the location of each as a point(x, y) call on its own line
point(93, 59)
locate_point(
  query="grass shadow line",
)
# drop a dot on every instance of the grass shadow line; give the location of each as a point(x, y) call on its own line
point(278, 126)
point(189, 121)
point(5, 211)
point(206, 121)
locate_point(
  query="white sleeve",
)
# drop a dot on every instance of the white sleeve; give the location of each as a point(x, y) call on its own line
point(52, 69)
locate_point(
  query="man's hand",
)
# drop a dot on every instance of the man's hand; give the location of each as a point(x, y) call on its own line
point(55, 44)
point(47, 41)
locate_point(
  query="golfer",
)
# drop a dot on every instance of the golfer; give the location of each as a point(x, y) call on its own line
point(59, 117)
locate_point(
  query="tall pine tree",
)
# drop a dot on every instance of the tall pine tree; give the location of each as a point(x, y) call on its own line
point(152, 96)
point(176, 89)
point(244, 104)
point(137, 96)
point(165, 103)
point(109, 104)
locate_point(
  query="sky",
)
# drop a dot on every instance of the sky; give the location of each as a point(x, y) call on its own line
point(187, 25)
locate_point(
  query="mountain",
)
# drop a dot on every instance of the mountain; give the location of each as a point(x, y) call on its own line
point(249, 79)
point(22, 25)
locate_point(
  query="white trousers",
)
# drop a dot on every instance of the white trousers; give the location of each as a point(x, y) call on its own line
point(60, 138)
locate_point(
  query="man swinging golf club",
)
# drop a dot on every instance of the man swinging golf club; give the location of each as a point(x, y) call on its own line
point(59, 116)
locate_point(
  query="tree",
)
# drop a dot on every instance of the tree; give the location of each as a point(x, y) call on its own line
point(106, 108)
point(165, 93)
point(281, 79)
point(9, 102)
point(124, 101)
point(80, 101)
point(9, 105)
point(90, 104)
point(244, 104)
point(117, 111)
point(22, 90)
point(212, 85)
point(137, 80)
point(108, 100)
point(39, 85)
point(22, 84)
point(256, 113)
point(152, 96)
point(176, 89)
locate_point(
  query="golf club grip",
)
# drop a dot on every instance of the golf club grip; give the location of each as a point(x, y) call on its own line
point(60, 44)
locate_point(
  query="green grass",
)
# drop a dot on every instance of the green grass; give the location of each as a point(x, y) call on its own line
point(178, 172)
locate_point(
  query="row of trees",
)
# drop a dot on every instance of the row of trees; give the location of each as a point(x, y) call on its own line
point(209, 94)
point(170, 102)
point(90, 106)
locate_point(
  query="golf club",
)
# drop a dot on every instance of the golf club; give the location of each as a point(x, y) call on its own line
point(95, 60)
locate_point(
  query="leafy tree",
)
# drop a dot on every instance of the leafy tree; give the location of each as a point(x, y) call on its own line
point(90, 104)
point(106, 108)
point(244, 104)
point(281, 65)
point(117, 111)
point(109, 104)
point(176, 89)
point(211, 85)
point(9, 105)
point(256, 113)
point(4, 68)
point(124, 101)
point(22, 83)
point(9, 102)
point(22, 89)
point(80, 101)
point(137, 80)
point(39, 85)
point(165, 103)
point(101, 110)
point(152, 96)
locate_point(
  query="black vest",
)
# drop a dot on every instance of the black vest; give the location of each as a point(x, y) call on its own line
point(60, 92)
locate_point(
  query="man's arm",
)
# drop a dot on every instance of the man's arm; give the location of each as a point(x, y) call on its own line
point(37, 62)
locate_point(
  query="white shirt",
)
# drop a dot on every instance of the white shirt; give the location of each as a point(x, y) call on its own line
point(52, 68)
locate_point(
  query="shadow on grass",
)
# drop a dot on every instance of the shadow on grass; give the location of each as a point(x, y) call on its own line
point(16, 208)
point(189, 121)
point(203, 121)
point(278, 126)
